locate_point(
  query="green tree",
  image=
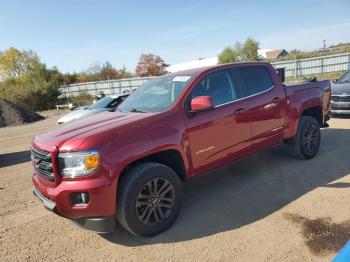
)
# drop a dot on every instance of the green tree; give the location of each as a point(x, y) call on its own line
point(237, 47)
point(296, 54)
point(246, 52)
point(228, 55)
point(26, 81)
point(250, 50)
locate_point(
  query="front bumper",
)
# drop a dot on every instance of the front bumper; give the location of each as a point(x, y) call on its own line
point(50, 205)
point(340, 107)
point(97, 215)
point(97, 224)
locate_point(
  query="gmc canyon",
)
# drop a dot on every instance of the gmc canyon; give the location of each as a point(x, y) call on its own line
point(129, 165)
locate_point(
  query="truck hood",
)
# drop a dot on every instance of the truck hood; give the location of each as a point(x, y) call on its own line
point(76, 114)
point(69, 136)
point(340, 88)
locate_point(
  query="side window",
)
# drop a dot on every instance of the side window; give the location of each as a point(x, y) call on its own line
point(256, 78)
point(217, 85)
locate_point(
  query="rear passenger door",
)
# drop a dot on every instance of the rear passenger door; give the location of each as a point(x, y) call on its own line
point(266, 105)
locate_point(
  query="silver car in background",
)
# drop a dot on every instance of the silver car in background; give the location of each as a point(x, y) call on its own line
point(108, 103)
point(340, 99)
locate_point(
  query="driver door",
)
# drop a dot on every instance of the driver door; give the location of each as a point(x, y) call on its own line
point(223, 133)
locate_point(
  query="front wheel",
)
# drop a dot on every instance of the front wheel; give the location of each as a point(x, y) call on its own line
point(307, 141)
point(149, 199)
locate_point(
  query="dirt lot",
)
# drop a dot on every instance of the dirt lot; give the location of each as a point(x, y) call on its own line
point(269, 207)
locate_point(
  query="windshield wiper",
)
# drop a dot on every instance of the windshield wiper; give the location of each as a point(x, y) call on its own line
point(134, 110)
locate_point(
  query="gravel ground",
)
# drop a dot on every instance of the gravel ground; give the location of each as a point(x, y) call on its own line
point(268, 207)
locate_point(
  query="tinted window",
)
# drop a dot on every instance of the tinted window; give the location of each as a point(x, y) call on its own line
point(217, 85)
point(256, 78)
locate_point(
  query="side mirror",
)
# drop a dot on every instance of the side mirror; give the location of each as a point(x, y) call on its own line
point(201, 103)
point(334, 80)
point(281, 72)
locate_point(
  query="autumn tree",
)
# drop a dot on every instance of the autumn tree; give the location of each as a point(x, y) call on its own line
point(93, 73)
point(69, 78)
point(83, 78)
point(105, 71)
point(123, 73)
point(15, 63)
point(150, 65)
point(108, 71)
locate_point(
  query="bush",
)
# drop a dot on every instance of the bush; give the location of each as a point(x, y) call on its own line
point(31, 93)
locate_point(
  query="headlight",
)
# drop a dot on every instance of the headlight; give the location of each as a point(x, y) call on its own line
point(78, 164)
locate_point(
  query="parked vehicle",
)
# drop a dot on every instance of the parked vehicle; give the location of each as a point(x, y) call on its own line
point(107, 103)
point(340, 99)
point(129, 165)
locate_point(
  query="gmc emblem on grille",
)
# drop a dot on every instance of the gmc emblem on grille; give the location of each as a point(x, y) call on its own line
point(36, 163)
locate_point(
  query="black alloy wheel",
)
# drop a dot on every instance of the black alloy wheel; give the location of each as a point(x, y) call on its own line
point(155, 201)
point(311, 138)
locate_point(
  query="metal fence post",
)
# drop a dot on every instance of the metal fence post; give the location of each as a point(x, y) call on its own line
point(348, 61)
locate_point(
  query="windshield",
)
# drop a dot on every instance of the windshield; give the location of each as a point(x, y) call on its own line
point(102, 103)
point(345, 78)
point(156, 95)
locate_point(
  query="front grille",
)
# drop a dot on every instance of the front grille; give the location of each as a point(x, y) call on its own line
point(340, 98)
point(42, 163)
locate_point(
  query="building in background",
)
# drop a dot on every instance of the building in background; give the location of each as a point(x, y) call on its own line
point(276, 54)
point(201, 62)
point(262, 52)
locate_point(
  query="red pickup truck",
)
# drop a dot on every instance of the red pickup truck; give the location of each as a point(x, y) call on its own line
point(129, 165)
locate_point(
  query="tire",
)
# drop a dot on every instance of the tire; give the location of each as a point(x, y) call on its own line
point(307, 141)
point(149, 199)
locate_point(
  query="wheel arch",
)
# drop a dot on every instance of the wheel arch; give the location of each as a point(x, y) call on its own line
point(315, 112)
point(169, 157)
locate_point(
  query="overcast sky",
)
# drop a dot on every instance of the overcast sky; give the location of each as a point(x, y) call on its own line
point(72, 34)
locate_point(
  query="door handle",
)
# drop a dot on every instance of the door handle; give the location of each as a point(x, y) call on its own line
point(239, 111)
point(273, 103)
point(276, 100)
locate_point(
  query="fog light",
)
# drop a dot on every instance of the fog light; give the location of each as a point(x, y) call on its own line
point(80, 198)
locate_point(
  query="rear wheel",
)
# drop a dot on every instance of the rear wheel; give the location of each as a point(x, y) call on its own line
point(149, 199)
point(307, 141)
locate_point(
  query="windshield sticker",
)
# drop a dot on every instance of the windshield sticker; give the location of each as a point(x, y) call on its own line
point(181, 78)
